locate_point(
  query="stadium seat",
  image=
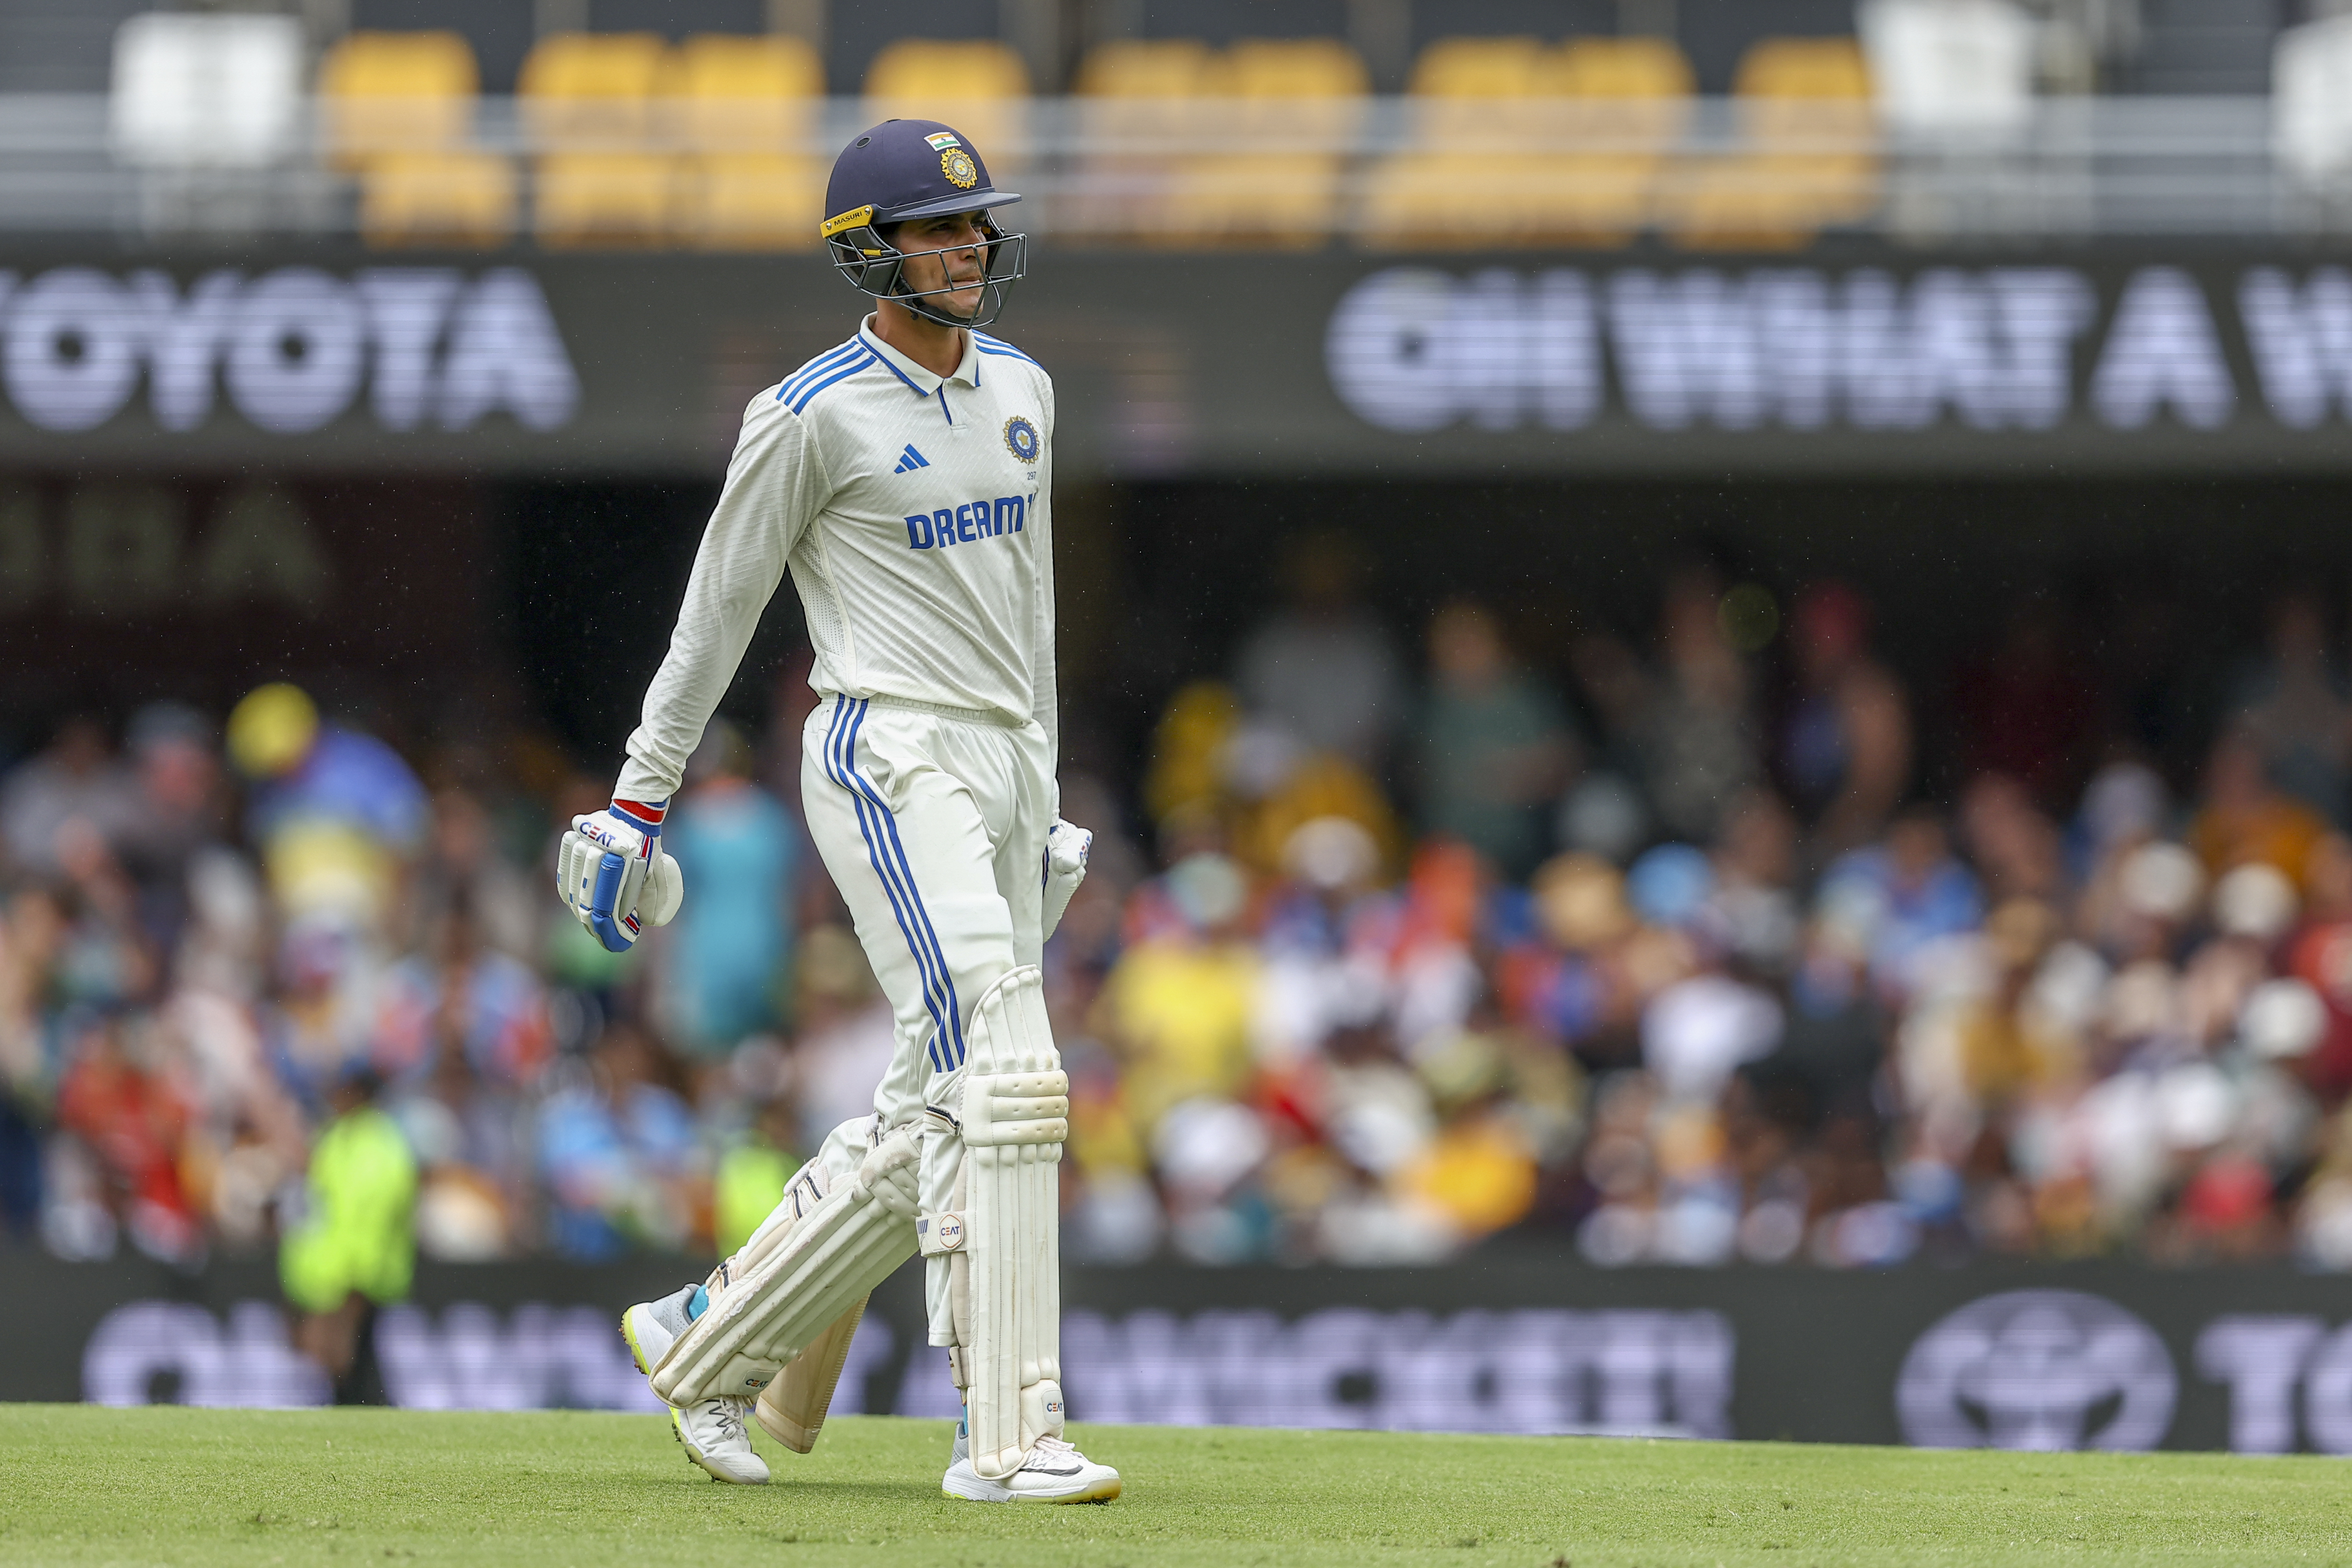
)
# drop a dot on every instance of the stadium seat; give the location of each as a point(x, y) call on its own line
point(976, 85)
point(1951, 69)
point(744, 108)
point(196, 90)
point(745, 94)
point(436, 199)
point(1139, 74)
point(1806, 114)
point(2311, 99)
point(602, 198)
point(588, 102)
point(1136, 98)
point(1320, 77)
point(751, 201)
point(1299, 99)
point(1307, 94)
point(1463, 86)
point(395, 92)
point(592, 91)
point(1515, 143)
point(396, 108)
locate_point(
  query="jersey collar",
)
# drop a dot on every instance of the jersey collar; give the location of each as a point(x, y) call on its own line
point(922, 382)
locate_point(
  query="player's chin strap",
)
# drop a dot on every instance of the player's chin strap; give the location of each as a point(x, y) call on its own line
point(1001, 1244)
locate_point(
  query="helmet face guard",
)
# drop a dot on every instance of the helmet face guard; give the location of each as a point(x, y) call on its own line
point(876, 266)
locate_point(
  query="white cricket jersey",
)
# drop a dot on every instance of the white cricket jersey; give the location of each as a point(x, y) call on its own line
point(914, 513)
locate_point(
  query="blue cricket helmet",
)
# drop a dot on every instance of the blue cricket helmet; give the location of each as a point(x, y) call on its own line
point(904, 169)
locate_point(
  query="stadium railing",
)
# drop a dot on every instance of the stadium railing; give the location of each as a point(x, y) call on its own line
point(1272, 172)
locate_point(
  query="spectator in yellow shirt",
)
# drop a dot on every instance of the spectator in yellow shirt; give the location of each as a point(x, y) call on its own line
point(1180, 1006)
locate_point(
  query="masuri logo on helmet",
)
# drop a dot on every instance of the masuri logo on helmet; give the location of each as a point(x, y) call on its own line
point(907, 169)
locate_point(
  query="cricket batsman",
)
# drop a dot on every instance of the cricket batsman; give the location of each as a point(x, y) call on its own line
point(905, 479)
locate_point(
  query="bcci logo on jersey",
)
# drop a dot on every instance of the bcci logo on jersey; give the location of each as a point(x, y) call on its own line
point(1021, 439)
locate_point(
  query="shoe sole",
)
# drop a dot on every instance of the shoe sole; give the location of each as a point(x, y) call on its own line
point(1101, 1491)
point(638, 1356)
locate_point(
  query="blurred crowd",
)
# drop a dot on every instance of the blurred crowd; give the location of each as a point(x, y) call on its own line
point(1665, 949)
point(1673, 954)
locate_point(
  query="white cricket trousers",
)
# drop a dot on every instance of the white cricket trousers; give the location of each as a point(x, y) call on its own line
point(932, 822)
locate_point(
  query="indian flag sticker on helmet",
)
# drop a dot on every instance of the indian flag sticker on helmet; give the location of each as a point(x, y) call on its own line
point(1020, 437)
point(941, 140)
point(960, 171)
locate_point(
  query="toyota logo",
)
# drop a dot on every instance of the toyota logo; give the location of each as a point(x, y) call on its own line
point(2039, 1369)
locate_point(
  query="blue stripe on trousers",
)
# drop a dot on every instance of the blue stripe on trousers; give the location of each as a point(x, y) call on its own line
point(906, 870)
point(891, 888)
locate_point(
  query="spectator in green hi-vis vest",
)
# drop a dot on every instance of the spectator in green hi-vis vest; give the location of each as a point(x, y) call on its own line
point(354, 1247)
point(752, 1177)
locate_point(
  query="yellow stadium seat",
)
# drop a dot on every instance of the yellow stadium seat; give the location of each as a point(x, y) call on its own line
point(1141, 99)
point(1479, 91)
point(1805, 110)
point(1153, 88)
point(1516, 143)
point(602, 199)
point(1803, 70)
point(1299, 70)
point(1286, 200)
point(1144, 69)
point(1626, 100)
point(1480, 69)
point(396, 92)
point(745, 94)
point(396, 108)
point(976, 85)
point(747, 107)
point(1629, 69)
point(1296, 102)
point(589, 101)
point(751, 201)
point(436, 199)
point(592, 91)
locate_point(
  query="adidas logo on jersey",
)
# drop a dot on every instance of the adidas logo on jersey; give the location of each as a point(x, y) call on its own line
point(910, 459)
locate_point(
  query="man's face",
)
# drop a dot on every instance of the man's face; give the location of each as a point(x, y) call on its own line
point(947, 252)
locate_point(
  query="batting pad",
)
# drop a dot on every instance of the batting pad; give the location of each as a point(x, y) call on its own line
point(796, 1277)
point(791, 1408)
point(1014, 1115)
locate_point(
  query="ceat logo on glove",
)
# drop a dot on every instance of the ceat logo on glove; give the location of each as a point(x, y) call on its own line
point(617, 837)
point(612, 875)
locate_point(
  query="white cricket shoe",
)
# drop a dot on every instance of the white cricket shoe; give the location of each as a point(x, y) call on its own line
point(713, 1432)
point(1054, 1472)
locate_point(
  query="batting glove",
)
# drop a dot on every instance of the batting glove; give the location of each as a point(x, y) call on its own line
point(612, 875)
point(1067, 847)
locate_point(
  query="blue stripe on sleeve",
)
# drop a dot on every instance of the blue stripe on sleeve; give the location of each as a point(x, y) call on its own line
point(799, 383)
point(999, 347)
point(809, 396)
point(818, 366)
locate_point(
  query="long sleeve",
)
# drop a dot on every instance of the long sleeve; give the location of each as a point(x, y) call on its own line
point(776, 484)
point(1046, 700)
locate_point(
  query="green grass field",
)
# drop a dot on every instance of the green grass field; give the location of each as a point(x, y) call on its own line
point(79, 1485)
